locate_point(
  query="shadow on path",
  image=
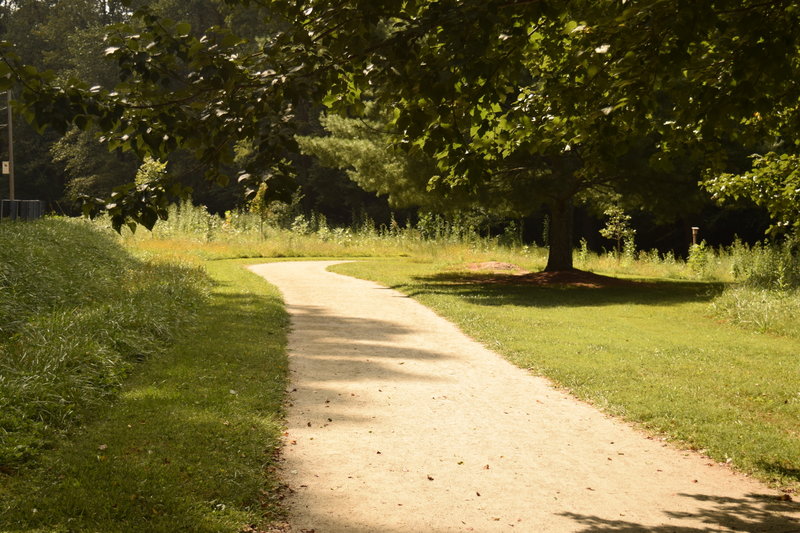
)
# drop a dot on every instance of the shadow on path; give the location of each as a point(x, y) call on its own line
point(755, 513)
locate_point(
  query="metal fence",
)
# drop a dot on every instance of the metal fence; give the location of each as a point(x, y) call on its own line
point(21, 209)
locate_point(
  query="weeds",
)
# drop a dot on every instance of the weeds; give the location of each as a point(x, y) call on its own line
point(281, 230)
point(766, 297)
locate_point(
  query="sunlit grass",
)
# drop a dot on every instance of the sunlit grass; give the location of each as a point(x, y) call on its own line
point(77, 313)
point(652, 354)
point(189, 443)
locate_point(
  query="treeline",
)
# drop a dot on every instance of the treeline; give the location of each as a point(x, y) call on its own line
point(68, 37)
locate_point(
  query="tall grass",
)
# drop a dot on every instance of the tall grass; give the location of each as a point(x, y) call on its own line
point(189, 443)
point(762, 279)
point(766, 296)
point(244, 234)
point(76, 313)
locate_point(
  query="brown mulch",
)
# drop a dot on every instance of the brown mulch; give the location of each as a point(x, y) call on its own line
point(576, 278)
point(497, 272)
point(495, 266)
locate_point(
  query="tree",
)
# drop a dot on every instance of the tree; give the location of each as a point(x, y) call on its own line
point(773, 183)
point(369, 153)
point(546, 101)
point(618, 227)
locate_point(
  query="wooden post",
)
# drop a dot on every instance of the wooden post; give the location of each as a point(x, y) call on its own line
point(10, 148)
point(695, 231)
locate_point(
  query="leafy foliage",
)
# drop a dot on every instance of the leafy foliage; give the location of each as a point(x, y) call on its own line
point(543, 100)
point(617, 226)
point(366, 150)
point(773, 183)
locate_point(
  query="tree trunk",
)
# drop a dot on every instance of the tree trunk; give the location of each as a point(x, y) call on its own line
point(560, 236)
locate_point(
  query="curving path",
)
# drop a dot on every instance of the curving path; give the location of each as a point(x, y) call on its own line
point(398, 422)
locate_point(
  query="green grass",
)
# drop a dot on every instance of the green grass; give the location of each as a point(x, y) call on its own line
point(77, 312)
point(651, 354)
point(189, 443)
point(131, 402)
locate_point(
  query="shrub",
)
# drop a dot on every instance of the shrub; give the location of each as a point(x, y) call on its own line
point(769, 266)
point(767, 296)
point(699, 259)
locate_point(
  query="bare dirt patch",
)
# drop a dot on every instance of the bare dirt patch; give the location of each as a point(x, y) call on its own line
point(495, 266)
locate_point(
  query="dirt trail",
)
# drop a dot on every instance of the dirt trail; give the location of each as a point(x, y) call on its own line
point(400, 423)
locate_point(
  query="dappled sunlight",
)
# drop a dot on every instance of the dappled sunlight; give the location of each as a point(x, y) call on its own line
point(752, 512)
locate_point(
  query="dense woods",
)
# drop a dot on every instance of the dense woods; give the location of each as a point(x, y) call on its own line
point(516, 110)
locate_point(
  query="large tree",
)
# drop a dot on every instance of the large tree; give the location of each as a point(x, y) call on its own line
point(554, 99)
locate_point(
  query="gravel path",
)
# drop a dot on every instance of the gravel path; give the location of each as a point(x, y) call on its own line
point(400, 423)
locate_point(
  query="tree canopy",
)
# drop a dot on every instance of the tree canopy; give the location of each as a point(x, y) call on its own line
point(549, 101)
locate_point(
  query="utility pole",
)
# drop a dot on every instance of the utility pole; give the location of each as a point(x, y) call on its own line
point(10, 147)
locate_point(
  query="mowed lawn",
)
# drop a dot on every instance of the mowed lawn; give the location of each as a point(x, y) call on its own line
point(650, 353)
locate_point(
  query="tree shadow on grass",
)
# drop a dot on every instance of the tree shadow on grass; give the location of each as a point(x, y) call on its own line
point(753, 513)
point(509, 289)
point(780, 471)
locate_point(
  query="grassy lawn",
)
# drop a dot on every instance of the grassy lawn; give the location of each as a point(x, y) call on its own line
point(651, 354)
point(190, 441)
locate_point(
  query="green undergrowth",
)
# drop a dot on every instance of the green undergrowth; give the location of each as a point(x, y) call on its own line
point(77, 313)
point(651, 353)
point(188, 445)
point(766, 297)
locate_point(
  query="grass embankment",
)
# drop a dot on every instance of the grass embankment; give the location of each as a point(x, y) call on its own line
point(649, 353)
point(76, 314)
point(184, 439)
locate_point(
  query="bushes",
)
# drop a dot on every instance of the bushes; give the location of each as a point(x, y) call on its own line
point(767, 295)
point(76, 313)
point(767, 266)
